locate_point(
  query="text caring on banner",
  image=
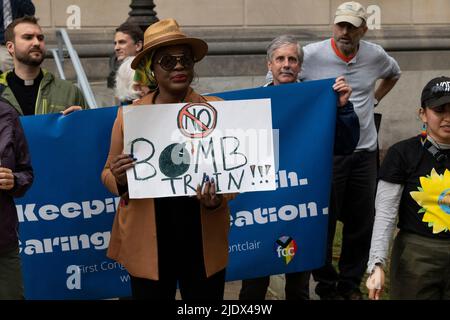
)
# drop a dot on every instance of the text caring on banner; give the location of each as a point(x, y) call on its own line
point(66, 216)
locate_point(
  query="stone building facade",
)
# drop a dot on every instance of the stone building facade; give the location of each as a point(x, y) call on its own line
point(415, 32)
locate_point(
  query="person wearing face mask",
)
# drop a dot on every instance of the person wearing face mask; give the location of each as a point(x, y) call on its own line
point(414, 186)
point(146, 232)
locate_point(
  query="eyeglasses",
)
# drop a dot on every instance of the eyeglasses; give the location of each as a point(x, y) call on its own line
point(168, 62)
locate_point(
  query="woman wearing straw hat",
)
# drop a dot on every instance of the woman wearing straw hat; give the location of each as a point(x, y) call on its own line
point(165, 241)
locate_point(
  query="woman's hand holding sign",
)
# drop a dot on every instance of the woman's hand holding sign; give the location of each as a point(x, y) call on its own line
point(208, 198)
point(119, 166)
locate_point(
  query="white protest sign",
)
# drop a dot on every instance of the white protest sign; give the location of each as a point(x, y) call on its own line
point(178, 145)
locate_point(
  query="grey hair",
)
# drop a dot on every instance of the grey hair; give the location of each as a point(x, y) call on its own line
point(281, 41)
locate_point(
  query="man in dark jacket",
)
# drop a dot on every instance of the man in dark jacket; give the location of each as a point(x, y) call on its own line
point(284, 62)
point(16, 177)
point(10, 10)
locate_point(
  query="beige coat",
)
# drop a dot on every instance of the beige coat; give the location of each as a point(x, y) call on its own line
point(133, 240)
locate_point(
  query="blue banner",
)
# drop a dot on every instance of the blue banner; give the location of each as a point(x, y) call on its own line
point(285, 230)
point(66, 217)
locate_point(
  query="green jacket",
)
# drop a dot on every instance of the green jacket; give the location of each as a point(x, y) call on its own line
point(55, 95)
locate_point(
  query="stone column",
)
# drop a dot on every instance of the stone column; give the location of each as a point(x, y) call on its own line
point(142, 13)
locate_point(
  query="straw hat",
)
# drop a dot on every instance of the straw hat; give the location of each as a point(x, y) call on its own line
point(167, 33)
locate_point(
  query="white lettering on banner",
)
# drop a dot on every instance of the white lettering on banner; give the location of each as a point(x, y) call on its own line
point(69, 210)
point(285, 251)
point(246, 246)
point(103, 266)
point(285, 179)
point(98, 240)
point(125, 278)
point(111, 265)
point(268, 215)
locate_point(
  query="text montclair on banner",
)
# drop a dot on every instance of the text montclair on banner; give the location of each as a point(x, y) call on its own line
point(178, 145)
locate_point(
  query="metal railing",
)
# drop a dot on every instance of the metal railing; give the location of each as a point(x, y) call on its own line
point(65, 46)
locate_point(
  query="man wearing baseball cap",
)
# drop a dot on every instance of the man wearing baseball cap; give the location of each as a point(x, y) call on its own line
point(362, 63)
point(352, 12)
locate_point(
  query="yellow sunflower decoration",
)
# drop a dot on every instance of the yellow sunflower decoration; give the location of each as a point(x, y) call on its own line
point(434, 198)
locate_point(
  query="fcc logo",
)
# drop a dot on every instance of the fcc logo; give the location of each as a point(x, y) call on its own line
point(285, 248)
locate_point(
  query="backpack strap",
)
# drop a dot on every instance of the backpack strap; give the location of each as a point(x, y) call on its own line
point(435, 152)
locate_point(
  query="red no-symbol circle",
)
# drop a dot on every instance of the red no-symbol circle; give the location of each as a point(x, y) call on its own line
point(197, 120)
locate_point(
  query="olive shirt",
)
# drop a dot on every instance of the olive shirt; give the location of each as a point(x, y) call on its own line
point(54, 95)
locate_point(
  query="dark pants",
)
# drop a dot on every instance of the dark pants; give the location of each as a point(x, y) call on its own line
point(420, 268)
point(211, 288)
point(180, 256)
point(352, 202)
point(296, 288)
point(11, 282)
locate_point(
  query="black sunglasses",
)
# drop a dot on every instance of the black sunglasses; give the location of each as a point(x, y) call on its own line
point(168, 61)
